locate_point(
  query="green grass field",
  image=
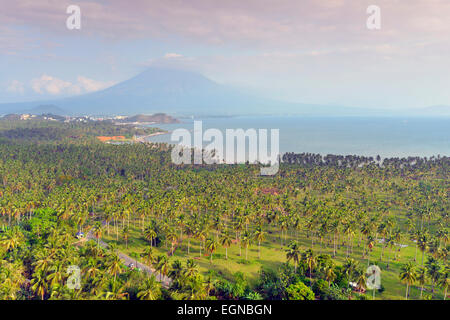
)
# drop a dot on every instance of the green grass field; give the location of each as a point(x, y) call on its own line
point(272, 256)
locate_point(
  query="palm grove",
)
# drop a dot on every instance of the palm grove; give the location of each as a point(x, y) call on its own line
point(218, 232)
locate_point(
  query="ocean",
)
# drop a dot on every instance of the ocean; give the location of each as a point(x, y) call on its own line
point(384, 136)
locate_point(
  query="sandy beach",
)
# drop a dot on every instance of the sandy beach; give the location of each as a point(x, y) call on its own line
point(144, 138)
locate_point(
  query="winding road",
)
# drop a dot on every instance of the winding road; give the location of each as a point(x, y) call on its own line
point(165, 281)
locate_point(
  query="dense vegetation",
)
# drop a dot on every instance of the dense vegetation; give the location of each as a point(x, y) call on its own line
point(218, 231)
point(39, 131)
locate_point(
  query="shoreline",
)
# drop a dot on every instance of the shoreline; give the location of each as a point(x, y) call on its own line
point(143, 138)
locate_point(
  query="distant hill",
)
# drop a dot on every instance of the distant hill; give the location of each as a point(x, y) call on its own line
point(35, 108)
point(47, 109)
point(178, 93)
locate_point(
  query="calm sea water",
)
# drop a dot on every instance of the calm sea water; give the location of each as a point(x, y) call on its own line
point(387, 137)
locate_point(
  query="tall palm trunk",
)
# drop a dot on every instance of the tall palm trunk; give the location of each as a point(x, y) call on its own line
point(334, 245)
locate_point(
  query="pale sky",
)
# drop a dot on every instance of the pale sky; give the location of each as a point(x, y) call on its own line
point(310, 51)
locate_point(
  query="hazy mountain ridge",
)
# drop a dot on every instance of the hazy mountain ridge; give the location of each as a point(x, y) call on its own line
point(181, 93)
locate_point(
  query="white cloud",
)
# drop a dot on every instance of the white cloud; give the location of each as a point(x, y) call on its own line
point(51, 85)
point(90, 85)
point(15, 86)
point(172, 55)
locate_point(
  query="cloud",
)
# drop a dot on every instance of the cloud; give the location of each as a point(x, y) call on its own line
point(172, 55)
point(15, 86)
point(320, 49)
point(252, 22)
point(51, 85)
point(90, 85)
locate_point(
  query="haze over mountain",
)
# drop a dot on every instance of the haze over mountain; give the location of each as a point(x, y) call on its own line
point(176, 92)
point(159, 90)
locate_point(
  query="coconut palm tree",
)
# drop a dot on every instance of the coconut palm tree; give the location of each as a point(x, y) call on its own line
point(330, 275)
point(246, 240)
point(361, 280)
point(370, 242)
point(189, 231)
point(382, 231)
point(293, 253)
point(421, 279)
point(150, 234)
point(92, 270)
point(311, 261)
point(172, 237)
point(115, 291)
point(349, 267)
point(11, 239)
point(259, 235)
point(422, 243)
point(433, 271)
point(200, 234)
point(225, 241)
point(114, 265)
point(126, 235)
point(389, 243)
point(176, 274)
point(191, 268)
point(444, 280)
point(56, 274)
point(162, 265)
point(211, 247)
point(44, 260)
point(39, 284)
point(150, 289)
point(210, 284)
point(97, 231)
point(148, 255)
point(408, 275)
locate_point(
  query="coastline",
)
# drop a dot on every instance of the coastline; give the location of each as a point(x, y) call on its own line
point(389, 138)
point(145, 137)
